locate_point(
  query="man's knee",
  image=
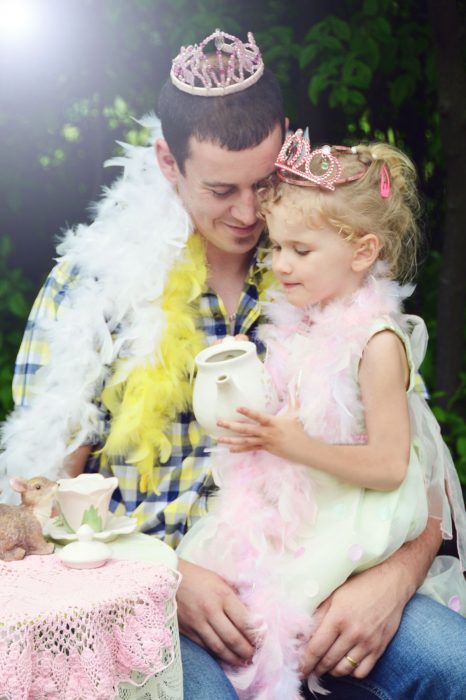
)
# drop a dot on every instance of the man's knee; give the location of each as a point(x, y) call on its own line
point(203, 677)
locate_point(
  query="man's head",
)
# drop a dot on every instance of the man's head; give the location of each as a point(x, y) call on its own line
point(223, 95)
point(217, 149)
point(235, 121)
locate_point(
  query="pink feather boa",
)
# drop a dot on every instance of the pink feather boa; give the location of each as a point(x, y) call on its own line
point(251, 537)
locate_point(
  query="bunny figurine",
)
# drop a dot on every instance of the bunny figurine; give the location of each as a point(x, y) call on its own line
point(21, 526)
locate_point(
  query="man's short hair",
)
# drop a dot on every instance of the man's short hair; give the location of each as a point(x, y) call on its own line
point(236, 121)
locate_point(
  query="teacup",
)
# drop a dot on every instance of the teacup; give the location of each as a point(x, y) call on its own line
point(84, 500)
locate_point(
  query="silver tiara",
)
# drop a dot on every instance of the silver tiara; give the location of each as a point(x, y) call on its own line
point(233, 67)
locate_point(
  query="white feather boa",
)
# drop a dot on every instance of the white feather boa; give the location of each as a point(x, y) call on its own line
point(123, 258)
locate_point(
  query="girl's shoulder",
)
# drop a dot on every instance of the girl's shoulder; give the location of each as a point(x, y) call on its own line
point(412, 332)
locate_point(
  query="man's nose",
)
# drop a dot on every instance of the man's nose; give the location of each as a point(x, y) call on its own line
point(245, 208)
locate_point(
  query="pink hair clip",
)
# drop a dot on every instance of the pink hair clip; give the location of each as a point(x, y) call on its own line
point(384, 182)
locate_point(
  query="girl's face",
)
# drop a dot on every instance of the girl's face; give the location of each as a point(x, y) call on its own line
point(314, 265)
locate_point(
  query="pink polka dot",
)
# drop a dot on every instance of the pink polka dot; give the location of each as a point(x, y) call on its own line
point(299, 552)
point(355, 552)
point(454, 603)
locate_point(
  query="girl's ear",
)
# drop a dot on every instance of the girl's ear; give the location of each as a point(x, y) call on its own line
point(366, 252)
point(166, 161)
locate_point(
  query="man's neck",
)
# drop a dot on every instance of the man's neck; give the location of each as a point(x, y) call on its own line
point(227, 274)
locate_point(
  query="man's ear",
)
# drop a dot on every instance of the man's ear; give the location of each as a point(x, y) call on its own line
point(166, 161)
point(366, 252)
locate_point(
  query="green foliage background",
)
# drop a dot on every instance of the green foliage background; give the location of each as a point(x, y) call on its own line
point(350, 69)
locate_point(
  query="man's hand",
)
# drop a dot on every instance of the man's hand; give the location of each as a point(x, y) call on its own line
point(358, 620)
point(361, 617)
point(212, 615)
point(281, 435)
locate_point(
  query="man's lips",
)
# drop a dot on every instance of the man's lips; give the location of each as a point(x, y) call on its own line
point(243, 230)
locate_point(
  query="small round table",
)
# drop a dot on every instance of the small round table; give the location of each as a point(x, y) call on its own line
point(92, 634)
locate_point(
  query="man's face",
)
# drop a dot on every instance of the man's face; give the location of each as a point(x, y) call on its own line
point(219, 191)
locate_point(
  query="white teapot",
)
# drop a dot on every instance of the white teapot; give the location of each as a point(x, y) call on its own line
point(230, 375)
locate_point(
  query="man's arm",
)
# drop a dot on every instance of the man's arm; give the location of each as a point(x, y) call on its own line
point(212, 615)
point(361, 617)
point(34, 351)
point(76, 461)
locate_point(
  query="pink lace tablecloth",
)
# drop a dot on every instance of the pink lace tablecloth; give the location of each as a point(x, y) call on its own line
point(67, 634)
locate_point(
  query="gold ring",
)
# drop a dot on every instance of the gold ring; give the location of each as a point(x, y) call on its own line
point(351, 661)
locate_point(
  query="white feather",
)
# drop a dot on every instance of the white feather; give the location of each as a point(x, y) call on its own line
point(123, 258)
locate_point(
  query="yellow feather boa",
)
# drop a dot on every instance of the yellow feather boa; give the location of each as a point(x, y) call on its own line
point(144, 403)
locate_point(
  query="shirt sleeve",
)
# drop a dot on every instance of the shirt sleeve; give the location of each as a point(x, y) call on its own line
point(34, 349)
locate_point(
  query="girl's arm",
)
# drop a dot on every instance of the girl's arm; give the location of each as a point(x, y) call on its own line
point(381, 463)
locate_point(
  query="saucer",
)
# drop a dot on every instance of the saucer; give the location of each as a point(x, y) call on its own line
point(116, 525)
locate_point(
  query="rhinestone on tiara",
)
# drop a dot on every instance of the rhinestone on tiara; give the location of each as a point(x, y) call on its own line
point(299, 165)
point(233, 67)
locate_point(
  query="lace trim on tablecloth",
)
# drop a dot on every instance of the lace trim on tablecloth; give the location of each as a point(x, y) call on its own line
point(166, 685)
point(69, 634)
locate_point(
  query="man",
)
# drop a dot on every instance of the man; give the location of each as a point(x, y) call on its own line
point(107, 356)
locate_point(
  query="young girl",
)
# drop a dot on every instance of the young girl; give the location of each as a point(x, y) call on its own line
point(353, 463)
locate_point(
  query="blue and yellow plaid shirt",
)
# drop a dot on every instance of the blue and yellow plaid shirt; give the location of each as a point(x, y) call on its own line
point(185, 479)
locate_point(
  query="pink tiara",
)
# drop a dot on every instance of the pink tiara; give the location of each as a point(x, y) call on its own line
point(296, 158)
point(236, 67)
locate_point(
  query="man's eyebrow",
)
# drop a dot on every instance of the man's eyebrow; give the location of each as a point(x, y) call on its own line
point(231, 185)
point(218, 184)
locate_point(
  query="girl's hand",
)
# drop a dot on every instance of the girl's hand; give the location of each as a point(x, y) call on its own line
point(281, 435)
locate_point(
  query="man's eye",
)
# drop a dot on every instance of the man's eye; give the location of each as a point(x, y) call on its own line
point(262, 183)
point(226, 193)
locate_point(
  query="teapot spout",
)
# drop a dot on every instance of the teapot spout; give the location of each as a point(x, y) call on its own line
point(224, 380)
point(229, 397)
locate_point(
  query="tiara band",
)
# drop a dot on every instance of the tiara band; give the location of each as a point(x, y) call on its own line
point(295, 160)
point(238, 66)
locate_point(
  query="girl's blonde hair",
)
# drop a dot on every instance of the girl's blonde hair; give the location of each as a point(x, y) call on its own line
point(356, 208)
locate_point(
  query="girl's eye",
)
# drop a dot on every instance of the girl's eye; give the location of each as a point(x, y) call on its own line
point(302, 251)
point(275, 247)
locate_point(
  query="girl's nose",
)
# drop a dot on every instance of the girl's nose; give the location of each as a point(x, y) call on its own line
point(280, 263)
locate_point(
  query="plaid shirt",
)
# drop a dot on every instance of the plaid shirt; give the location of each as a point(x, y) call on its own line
point(185, 479)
